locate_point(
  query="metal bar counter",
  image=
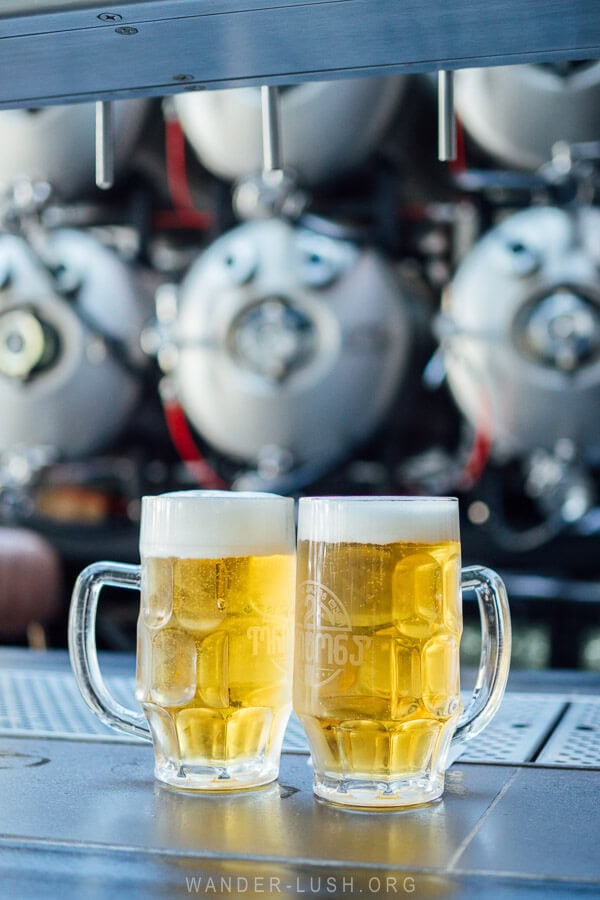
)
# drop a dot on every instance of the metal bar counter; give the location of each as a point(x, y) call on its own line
point(81, 815)
point(58, 51)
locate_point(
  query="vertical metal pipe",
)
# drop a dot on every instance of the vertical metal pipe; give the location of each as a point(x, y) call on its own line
point(446, 117)
point(105, 145)
point(271, 128)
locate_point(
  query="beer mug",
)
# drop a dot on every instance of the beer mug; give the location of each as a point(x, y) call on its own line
point(215, 629)
point(378, 626)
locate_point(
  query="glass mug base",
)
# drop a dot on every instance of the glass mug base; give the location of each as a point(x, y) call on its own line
point(379, 793)
point(215, 777)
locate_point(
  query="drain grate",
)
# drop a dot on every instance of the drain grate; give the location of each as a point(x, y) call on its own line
point(514, 735)
point(576, 741)
point(517, 731)
point(49, 705)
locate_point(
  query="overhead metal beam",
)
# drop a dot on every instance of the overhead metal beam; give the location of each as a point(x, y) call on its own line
point(77, 50)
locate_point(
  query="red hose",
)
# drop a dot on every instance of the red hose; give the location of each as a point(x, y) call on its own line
point(459, 164)
point(184, 214)
point(477, 459)
point(187, 448)
point(182, 218)
point(481, 446)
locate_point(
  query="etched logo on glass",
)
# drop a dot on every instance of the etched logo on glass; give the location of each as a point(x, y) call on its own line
point(325, 640)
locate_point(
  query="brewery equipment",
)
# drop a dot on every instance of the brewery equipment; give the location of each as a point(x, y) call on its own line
point(520, 333)
point(56, 144)
point(327, 127)
point(518, 113)
point(273, 350)
point(252, 330)
point(69, 334)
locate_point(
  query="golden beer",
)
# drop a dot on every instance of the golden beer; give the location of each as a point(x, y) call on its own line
point(214, 658)
point(376, 661)
point(377, 639)
point(378, 628)
point(215, 636)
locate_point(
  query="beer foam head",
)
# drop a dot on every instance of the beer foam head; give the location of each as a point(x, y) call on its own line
point(214, 524)
point(378, 520)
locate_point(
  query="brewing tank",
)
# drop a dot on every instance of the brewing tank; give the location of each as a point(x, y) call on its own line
point(520, 332)
point(290, 339)
point(69, 336)
point(56, 144)
point(327, 128)
point(517, 113)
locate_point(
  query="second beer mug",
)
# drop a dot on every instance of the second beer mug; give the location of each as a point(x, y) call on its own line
point(214, 659)
point(378, 626)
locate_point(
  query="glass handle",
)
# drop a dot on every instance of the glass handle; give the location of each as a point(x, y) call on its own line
point(495, 652)
point(82, 644)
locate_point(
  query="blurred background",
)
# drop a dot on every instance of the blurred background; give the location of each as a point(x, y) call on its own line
point(366, 320)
